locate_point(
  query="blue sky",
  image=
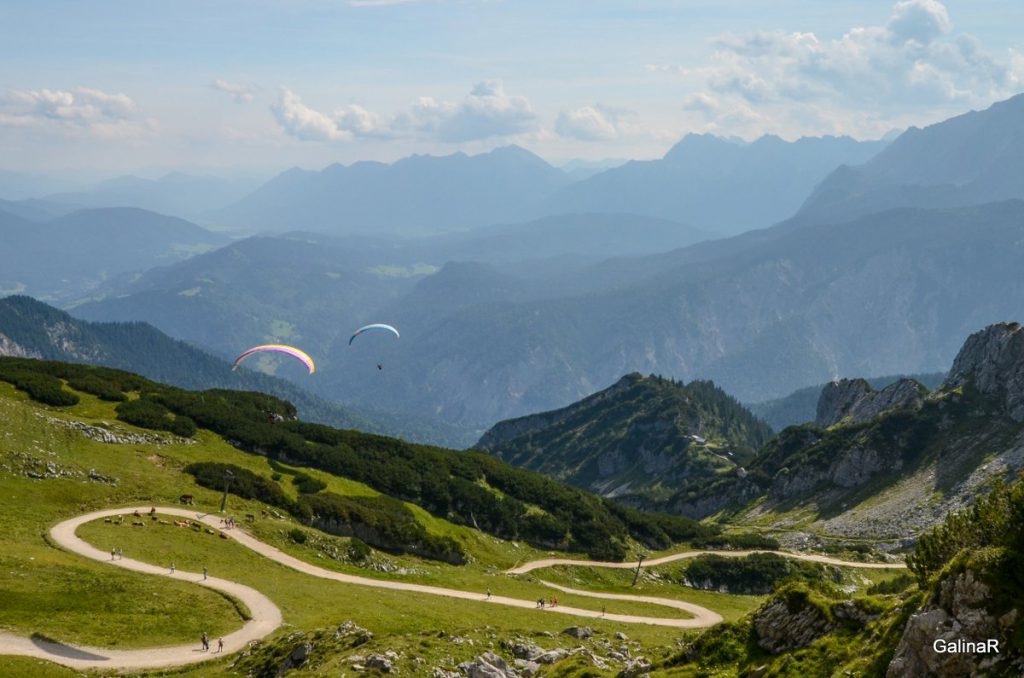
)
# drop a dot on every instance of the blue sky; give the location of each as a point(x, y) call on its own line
point(123, 86)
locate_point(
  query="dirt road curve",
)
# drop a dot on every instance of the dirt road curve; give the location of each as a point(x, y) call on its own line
point(550, 562)
point(266, 617)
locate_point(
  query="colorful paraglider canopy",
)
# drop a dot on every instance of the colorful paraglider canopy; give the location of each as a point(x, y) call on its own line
point(298, 354)
point(375, 326)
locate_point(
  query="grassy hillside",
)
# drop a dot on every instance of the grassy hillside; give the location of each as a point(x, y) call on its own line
point(466, 488)
point(644, 435)
point(54, 466)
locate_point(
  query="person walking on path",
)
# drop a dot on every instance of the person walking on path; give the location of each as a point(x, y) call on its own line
point(220, 645)
point(205, 572)
point(206, 642)
point(113, 551)
point(172, 568)
point(120, 553)
point(488, 594)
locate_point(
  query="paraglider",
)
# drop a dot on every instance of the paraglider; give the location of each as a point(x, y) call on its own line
point(374, 326)
point(298, 354)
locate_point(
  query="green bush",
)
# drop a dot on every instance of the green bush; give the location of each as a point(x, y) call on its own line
point(358, 550)
point(297, 535)
point(758, 573)
point(382, 521)
point(42, 388)
point(307, 484)
point(95, 385)
point(244, 483)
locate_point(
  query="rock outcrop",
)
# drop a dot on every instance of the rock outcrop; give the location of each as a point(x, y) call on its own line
point(488, 665)
point(789, 623)
point(853, 401)
point(992, 362)
point(957, 613)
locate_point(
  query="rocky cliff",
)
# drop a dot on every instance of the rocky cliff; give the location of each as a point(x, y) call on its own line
point(898, 462)
point(992, 362)
point(853, 401)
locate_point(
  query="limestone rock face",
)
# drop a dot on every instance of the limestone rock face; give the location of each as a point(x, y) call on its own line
point(854, 401)
point(780, 628)
point(488, 665)
point(956, 613)
point(992, 361)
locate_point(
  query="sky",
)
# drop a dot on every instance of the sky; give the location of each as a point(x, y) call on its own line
point(261, 85)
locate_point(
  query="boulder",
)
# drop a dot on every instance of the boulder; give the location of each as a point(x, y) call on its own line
point(380, 662)
point(581, 632)
point(488, 665)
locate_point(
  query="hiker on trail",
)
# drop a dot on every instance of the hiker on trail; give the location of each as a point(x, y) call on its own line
point(205, 572)
point(488, 594)
point(120, 553)
point(220, 645)
point(603, 610)
point(205, 641)
point(552, 602)
point(152, 511)
point(112, 552)
point(540, 603)
point(172, 568)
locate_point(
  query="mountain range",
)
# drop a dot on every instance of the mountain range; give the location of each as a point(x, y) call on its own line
point(68, 257)
point(719, 185)
point(418, 195)
point(974, 158)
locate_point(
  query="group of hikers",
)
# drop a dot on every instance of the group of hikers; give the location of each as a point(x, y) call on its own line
point(227, 523)
point(553, 602)
point(116, 553)
point(205, 640)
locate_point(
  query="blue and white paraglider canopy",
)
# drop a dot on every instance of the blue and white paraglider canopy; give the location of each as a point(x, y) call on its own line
point(374, 326)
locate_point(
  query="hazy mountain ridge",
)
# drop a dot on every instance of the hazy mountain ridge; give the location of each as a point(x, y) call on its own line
point(414, 196)
point(69, 257)
point(974, 158)
point(717, 184)
point(642, 435)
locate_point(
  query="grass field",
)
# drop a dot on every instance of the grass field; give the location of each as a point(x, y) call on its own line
point(69, 598)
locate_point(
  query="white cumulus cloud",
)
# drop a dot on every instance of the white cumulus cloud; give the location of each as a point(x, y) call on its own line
point(487, 111)
point(80, 110)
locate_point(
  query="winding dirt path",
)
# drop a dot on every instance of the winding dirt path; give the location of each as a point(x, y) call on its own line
point(266, 617)
point(810, 557)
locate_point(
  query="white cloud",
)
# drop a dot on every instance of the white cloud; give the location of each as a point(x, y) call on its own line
point(486, 112)
point(587, 124)
point(302, 122)
point(241, 92)
point(864, 82)
point(911, 59)
point(79, 110)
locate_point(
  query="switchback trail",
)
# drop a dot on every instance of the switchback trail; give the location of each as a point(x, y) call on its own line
point(265, 616)
point(810, 557)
